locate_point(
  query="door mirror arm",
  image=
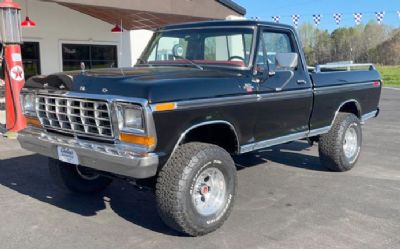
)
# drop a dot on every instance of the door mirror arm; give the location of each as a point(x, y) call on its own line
point(261, 73)
point(271, 73)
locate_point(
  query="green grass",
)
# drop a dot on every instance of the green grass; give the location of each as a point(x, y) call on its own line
point(390, 75)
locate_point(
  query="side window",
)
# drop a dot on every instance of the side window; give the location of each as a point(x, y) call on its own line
point(94, 56)
point(30, 58)
point(273, 42)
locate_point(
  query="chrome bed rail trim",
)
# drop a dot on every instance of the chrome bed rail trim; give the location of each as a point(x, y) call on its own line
point(348, 66)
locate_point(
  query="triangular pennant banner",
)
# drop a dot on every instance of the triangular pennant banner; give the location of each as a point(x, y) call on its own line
point(296, 20)
point(337, 17)
point(317, 19)
point(276, 19)
point(380, 16)
point(358, 18)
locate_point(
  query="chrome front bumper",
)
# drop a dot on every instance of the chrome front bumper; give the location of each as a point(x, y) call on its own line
point(113, 158)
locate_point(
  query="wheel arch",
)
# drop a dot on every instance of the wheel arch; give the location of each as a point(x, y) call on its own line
point(349, 106)
point(192, 134)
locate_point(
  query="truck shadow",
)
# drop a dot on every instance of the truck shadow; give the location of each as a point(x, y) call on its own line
point(29, 176)
point(290, 154)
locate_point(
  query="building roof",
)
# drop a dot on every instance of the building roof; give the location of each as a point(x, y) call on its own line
point(153, 14)
point(234, 6)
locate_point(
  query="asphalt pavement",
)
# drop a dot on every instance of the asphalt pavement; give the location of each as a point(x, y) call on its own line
point(286, 199)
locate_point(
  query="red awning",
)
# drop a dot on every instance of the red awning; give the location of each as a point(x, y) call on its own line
point(152, 14)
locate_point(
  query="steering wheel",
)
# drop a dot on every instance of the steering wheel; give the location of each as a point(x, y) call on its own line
point(236, 57)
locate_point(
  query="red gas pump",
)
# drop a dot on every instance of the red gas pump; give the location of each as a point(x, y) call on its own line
point(11, 39)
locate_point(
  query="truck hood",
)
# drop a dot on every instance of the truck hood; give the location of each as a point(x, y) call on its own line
point(156, 84)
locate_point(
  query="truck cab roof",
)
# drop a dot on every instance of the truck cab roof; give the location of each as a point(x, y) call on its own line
point(224, 23)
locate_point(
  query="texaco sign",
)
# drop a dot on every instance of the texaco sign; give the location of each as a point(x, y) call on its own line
point(17, 73)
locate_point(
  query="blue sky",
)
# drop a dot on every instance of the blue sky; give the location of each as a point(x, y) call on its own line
point(306, 8)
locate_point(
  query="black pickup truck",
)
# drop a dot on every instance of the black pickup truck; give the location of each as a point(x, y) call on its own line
point(200, 93)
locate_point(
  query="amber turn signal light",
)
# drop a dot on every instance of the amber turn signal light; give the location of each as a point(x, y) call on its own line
point(165, 106)
point(33, 122)
point(135, 139)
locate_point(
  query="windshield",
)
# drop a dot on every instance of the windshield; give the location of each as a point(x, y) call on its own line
point(211, 46)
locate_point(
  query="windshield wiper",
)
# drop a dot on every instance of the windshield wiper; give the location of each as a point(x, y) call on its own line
point(144, 62)
point(191, 62)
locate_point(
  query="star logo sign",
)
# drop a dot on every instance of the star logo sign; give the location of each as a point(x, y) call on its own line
point(17, 73)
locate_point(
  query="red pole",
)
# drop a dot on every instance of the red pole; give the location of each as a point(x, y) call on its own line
point(14, 79)
point(13, 72)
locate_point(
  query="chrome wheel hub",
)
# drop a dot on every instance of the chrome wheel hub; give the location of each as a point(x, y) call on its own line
point(209, 192)
point(350, 143)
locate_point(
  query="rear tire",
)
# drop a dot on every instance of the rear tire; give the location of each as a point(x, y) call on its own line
point(195, 190)
point(339, 149)
point(77, 179)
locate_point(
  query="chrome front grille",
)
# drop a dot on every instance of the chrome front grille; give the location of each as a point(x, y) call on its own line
point(75, 116)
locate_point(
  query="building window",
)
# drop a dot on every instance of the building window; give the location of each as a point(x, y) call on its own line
point(31, 58)
point(94, 56)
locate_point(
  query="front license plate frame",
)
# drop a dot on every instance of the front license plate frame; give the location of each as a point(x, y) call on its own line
point(67, 155)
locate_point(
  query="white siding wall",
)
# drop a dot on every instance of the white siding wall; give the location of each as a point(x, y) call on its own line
point(134, 42)
point(58, 24)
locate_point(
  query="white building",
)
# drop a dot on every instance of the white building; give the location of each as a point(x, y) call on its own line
point(69, 32)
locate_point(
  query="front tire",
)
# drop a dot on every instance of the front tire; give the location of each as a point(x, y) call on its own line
point(339, 149)
point(77, 179)
point(195, 190)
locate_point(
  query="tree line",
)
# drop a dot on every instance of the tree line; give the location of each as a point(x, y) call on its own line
point(370, 43)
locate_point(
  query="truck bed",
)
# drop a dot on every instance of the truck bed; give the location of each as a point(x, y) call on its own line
point(337, 85)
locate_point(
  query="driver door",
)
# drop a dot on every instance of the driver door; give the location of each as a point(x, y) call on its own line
point(286, 96)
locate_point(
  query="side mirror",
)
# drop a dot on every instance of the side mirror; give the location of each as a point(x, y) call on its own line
point(287, 60)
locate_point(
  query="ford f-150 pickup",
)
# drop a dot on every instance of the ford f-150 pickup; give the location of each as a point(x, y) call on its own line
point(200, 93)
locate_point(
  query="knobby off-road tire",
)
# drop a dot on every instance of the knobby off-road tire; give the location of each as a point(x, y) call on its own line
point(197, 174)
point(76, 179)
point(340, 149)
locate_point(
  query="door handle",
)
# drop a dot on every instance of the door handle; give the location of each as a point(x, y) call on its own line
point(301, 82)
